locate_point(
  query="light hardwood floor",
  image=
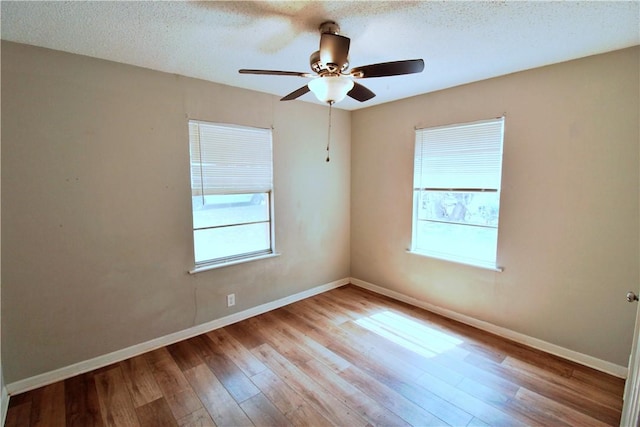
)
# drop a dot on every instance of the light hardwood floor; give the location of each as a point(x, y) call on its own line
point(348, 358)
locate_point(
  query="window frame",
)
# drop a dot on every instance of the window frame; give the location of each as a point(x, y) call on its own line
point(232, 259)
point(417, 197)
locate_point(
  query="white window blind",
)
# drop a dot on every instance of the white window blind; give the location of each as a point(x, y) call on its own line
point(467, 156)
point(229, 159)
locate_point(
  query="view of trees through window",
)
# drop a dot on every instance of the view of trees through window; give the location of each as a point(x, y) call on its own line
point(473, 208)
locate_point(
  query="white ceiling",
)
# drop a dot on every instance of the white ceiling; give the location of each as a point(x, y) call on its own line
point(461, 42)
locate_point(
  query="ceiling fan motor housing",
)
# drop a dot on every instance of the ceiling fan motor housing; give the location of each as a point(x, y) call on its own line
point(336, 49)
point(321, 68)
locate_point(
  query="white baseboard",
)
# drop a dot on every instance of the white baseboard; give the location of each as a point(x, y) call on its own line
point(574, 356)
point(135, 350)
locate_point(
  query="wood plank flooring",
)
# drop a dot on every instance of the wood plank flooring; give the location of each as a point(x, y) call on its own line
point(347, 357)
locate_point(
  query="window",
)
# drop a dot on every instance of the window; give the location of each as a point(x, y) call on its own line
point(232, 193)
point(456, 192)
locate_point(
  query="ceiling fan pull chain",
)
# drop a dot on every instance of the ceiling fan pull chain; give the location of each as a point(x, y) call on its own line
point(329, 133)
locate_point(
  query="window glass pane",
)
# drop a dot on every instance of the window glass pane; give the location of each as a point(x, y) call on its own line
point(463, 241)
point(229, 209)
point(475, 208)
point(215, 243)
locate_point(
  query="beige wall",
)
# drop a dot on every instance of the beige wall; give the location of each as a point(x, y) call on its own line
point(96, 206)
point(568, 235)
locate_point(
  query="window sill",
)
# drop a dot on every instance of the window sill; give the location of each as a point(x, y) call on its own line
point(213, 266)
point(471, 263)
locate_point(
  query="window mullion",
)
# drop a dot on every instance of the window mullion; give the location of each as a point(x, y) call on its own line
point(459, 190)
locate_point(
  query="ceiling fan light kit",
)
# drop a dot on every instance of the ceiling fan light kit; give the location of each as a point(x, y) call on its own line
point(331, 89)
point(330, 62)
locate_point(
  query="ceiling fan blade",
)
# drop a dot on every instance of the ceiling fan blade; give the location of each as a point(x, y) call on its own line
point(296, 93)
point(360, 93)
point(275, 73)
point(384, 69)
point(334, 49)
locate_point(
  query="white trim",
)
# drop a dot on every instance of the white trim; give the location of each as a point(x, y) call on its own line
point(574, 356)
point(631, 398)
point(135, 350)
point(213, 266)
point(4, 405)
point(444, 257)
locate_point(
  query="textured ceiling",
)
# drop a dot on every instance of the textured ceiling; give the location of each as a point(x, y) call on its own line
point(461, 42)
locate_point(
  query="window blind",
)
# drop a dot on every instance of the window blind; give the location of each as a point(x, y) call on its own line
point(467, 156)
point(227, 159)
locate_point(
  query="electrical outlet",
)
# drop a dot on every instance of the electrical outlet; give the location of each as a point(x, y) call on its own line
point(231, 300)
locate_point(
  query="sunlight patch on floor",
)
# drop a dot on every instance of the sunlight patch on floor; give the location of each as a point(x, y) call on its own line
point(408, 333)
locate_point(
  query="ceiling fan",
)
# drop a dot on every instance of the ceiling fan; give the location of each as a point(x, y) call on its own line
point(330, 80)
